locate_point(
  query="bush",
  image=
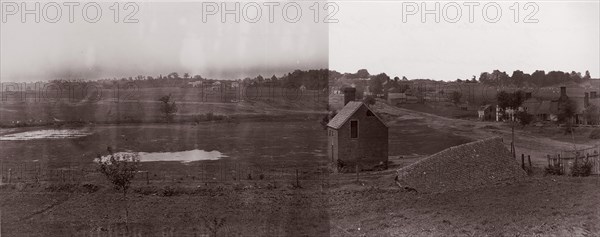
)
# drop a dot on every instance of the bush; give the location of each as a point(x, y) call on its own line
point(581, 168)
point(553, 170)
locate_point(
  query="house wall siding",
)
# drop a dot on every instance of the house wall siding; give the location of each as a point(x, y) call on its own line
point(370, 149)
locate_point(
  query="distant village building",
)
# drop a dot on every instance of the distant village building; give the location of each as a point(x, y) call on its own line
point(486, 113)
point(396, 98)
point(357, 137)
point(549, 109)
point(195, 83)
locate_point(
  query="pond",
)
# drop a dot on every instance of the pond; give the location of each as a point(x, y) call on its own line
point(45, 134)
point(180, 156)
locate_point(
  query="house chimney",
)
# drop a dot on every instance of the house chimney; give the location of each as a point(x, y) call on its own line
point(593, 95)
point(586, 100)
point(349, 95)
point(563, 91)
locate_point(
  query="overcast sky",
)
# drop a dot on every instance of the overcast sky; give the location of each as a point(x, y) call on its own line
point(370, 34)
point(170, 37)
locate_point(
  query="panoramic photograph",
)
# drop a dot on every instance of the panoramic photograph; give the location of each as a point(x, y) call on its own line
point(300, 118)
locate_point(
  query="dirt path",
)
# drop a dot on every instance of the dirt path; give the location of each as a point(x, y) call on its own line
point(527, 143)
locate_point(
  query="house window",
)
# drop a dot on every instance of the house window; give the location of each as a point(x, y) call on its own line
point(354, 129)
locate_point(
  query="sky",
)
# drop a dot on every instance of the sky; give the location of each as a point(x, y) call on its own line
point(373, 35)
point(172, 37)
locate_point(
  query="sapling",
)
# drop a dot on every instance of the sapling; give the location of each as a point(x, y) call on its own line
point(119, 169)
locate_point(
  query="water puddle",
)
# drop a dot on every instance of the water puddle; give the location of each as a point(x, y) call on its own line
point(45, 134)
point(180, 156)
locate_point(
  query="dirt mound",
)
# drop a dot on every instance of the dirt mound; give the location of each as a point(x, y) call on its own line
point(469, 165)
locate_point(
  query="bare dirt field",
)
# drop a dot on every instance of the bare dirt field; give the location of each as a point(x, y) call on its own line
point(274, 181)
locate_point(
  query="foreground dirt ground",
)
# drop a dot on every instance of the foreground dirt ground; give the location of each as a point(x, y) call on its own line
point(559, 206)
point(336, 205)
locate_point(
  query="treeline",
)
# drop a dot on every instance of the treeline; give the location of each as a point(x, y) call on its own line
point(311, 79)
point(538, 78)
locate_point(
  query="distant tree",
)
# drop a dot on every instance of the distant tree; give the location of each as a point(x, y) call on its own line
point(587, 75)
point(396, 79)
point(376, 83)
point(524, 118)
point(186, 75)
point(197, 77)
point(474, 79)
point(484, 78)
point(576, 76)
point(510, 100)
point(456, 96)
point(120, 170)
point(517, 78)
point(592, 114)
point(404, 78)
point(362, 73)
point(260, 78)
point(173, 75)
point(538, 77)
point(168, 107)
point(459, 80)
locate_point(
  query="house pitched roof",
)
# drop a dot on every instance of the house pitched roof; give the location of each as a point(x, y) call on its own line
point(345, 113)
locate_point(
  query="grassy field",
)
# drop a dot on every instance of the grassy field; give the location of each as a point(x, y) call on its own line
point(184, 199)
point(142, 105)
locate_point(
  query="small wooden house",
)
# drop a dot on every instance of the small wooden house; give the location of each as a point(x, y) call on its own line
point(357, 139)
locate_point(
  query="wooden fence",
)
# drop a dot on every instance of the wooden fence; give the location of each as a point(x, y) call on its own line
point(566, 159)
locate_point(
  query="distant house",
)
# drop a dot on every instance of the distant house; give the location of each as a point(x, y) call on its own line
point(486, 113)
point(357, 138)
point(396, 98)
point(195, 83)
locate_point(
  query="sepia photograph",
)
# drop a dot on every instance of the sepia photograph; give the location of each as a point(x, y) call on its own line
point(299, 118)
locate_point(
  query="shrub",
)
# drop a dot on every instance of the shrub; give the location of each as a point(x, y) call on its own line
point(582, 168)
point(119, 169)
point(553, 170)
point(168, 107)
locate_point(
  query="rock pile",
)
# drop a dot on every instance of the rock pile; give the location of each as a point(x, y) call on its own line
point(466, 166)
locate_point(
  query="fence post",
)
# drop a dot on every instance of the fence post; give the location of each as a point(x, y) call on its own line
point(562, 167)
point(356, 168)
point(9, 175)
point(297, 182)
point(522, 161)
point(529, 159)
point(147, 178)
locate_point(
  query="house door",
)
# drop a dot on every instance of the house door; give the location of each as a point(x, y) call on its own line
point(332, 151)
